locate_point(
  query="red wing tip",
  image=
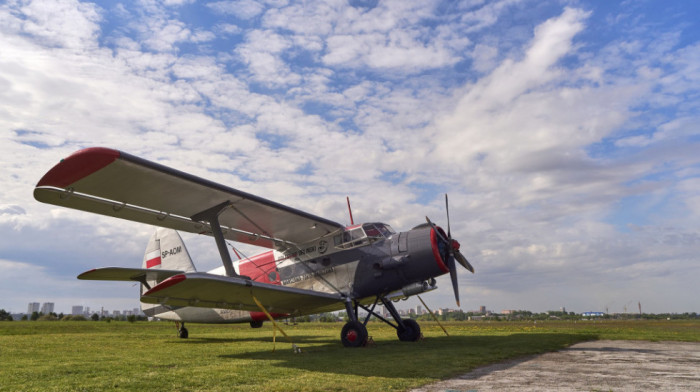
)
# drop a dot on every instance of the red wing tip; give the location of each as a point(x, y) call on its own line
point(173, 280)
point(78, 165)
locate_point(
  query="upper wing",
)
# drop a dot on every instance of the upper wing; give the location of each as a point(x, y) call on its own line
point(128, 274)
point(113, 183)
point(215, 291)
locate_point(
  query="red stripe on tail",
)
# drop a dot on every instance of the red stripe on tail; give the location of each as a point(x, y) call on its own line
point(153, 262)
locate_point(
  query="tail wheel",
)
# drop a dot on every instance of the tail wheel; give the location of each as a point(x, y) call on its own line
point(354, 334)
point(410, 332)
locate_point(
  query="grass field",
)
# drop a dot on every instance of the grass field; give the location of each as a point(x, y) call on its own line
point(96, 356)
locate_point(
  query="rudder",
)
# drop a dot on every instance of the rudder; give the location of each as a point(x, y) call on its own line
point(167, 251)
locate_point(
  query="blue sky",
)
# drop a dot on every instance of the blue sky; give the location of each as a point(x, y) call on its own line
point(565, 132)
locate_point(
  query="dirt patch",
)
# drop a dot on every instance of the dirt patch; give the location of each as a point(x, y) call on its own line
point(603, 365)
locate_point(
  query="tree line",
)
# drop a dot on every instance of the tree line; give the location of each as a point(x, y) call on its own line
point(38, 316)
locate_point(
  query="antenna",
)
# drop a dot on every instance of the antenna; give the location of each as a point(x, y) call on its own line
point(352, 222)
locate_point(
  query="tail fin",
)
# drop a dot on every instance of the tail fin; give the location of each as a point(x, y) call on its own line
point(165, 250)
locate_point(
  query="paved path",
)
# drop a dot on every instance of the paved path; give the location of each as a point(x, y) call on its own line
point(603, 365)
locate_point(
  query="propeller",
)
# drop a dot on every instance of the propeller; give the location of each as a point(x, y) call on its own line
point(451, 252)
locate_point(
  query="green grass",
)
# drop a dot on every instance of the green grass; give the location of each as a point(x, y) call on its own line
point(95, 356)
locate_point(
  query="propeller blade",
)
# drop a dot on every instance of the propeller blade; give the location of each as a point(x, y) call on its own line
point(453, 276)
point(450, 251)
point(463, 260)
point(436, 230)
point(447, 209)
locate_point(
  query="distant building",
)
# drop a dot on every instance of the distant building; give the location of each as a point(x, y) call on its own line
point(76, 310)
point(419, 310)
point(592, 314)
point(47, 308)
point(482, 309)
point(33, 307)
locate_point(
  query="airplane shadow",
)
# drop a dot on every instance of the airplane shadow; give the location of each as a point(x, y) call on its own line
point(433, 357)
point(297, 339)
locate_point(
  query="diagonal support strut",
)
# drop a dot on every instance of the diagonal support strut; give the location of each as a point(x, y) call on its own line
point(211, 216)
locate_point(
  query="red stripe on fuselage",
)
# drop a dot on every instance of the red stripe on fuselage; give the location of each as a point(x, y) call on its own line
point(261, 268)
point(78, 166)
point(260, 316)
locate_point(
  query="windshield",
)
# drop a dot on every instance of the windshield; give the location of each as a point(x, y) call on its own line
point(378, 230)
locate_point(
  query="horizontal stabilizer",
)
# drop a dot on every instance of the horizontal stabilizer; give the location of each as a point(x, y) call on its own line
point(127, 274)
point(223, 292)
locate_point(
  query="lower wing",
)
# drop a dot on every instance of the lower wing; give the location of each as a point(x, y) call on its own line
point(201, 289)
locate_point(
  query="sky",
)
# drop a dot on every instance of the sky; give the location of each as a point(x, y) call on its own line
point(566, 134)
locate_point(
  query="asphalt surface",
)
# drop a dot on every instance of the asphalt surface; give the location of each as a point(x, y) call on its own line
point(603, 365)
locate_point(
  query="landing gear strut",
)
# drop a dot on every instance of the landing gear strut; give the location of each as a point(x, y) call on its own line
point(354, 333)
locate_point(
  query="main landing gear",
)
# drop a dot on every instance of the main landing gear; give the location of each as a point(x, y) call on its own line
point(182, 332)
point(354, 332)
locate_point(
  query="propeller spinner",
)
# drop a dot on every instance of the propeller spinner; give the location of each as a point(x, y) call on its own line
point(451, 252)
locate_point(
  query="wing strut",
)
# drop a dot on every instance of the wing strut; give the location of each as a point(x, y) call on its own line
point(211, 216)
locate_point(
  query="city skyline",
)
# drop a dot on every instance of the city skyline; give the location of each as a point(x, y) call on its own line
point(414, 309)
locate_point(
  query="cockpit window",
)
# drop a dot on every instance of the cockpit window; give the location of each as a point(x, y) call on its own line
point(363, 235)
point(378, 230)
point(386, 230)
point(372, 231)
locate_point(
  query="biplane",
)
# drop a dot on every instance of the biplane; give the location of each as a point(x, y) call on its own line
point(312, 264)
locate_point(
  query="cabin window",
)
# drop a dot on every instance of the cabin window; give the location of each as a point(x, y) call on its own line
point(351, 238)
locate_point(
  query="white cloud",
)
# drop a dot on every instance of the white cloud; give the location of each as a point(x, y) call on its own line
point(244, 9)
point(262, 53)
point(68, 24)
point(380, 104)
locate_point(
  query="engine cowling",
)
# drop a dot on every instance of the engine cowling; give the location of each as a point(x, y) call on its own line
point(422, 256)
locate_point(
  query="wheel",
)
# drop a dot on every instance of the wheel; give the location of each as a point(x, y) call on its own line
point(410, 332)
point(354, 334)
point(183, 333)
point(256, 324)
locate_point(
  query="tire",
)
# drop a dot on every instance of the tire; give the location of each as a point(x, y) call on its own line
point(183, 333)
point(256, 324)
point(410, 332)
point(354, 334)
